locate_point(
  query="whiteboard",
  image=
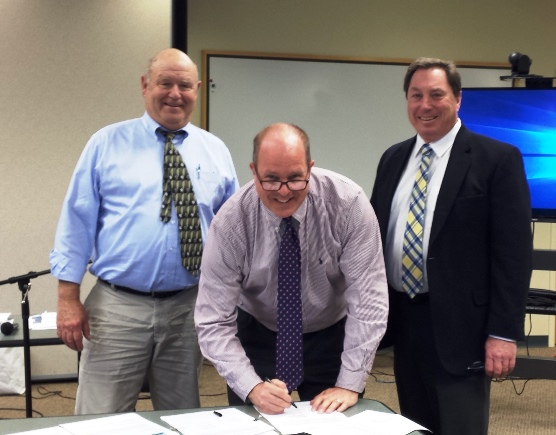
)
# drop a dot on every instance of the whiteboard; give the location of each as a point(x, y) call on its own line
point(351, 110)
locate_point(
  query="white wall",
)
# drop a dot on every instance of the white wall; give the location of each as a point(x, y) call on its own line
point(67, 68)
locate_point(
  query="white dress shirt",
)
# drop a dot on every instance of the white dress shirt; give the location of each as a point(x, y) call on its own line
point(400, 204)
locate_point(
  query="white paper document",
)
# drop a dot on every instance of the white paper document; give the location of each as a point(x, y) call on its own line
point(46, 320)
point(117, 425)
point(229, 421)
point(303, 419)
point(57, 430)
point(383, 423)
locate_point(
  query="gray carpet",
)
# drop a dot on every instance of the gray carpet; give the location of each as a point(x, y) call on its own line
point(517, 407)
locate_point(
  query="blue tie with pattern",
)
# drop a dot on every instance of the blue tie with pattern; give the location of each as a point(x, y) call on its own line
point(289, 341)
point(412, 257)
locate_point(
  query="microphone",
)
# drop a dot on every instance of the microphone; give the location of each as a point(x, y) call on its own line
point(8, 327)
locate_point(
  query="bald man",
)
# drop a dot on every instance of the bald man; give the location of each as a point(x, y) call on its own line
point(342, 282)
point(137, 321)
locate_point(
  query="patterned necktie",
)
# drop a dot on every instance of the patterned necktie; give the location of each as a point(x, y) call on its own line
point(412, 257)
point(289, 341)
point(177, 188)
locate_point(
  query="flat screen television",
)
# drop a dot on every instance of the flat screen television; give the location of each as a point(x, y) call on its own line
point(525, 118)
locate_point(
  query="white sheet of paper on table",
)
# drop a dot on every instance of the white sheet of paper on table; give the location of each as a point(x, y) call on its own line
point(303, 419)
point(46, 320)
point(383, 423)
point(129, 423)
point(56, 430)
point(229, 421)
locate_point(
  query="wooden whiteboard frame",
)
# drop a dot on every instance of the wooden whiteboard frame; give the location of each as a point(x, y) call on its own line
point(207, 54)
point(352, 108)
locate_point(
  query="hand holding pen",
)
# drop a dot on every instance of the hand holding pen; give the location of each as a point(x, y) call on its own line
point(270, 396)
point(269, 381)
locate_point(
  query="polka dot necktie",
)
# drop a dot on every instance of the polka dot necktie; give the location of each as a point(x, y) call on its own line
point(289, 341)
point(412, 257)
point(177, 188)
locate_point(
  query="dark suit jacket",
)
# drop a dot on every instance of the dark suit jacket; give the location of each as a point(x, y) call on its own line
point(480, 248)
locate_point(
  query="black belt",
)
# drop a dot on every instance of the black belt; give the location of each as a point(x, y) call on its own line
point(152, 294)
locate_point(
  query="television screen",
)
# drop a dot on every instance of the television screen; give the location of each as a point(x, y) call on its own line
point(525, 118)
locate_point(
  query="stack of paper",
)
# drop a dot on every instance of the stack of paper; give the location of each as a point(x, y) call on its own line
point(229, 421)
point(46, 320)
point(47, 431)
point(116, 425)
point(303, 420)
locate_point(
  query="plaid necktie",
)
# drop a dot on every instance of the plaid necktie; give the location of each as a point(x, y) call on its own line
point(177, 188)
point(412, 257)
point(289, 341)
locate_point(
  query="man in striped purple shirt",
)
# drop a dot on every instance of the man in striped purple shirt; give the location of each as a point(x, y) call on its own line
point(343, 282)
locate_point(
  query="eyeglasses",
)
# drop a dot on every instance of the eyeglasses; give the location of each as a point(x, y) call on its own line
point(293, 185)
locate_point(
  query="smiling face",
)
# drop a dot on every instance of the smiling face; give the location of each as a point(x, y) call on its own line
point(281, 157)
point(170, 89)
point(432, 107)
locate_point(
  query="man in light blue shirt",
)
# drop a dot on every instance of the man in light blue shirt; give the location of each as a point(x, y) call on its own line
point(138, 319)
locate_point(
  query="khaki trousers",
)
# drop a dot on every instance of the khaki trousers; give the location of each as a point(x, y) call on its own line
point(134, 338)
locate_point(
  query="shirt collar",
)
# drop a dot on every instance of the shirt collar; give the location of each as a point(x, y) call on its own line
point(298, 215)
point(441, 146)
point(151, 125)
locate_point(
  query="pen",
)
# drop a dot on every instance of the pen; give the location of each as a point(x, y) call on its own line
point(217, 413)
point(270, 382)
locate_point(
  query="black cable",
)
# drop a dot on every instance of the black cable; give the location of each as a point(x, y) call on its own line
point(22, 410)
point(144, 396)
point(512, 380)
point(213, 395)
point(375, 373)
point(45, 393)
point(529, 334)
point(382, 381)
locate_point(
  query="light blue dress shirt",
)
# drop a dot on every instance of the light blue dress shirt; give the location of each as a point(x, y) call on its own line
point(111, 213)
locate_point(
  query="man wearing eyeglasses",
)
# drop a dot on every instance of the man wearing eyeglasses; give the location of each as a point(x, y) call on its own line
point(343, 293)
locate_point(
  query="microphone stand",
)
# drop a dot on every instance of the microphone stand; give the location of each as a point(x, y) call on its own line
point(24, 284)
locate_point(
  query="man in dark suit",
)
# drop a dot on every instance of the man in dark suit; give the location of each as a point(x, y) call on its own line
point(459, 269)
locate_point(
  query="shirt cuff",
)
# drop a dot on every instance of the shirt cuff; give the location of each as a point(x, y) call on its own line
point(502, 338)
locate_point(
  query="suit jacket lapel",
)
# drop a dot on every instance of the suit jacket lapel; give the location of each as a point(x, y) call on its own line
point(458, 165)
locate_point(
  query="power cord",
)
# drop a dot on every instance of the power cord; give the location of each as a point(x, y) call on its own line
point(45, 393)
point(376, 373)
point(20, 410)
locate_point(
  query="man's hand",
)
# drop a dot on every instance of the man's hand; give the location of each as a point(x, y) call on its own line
point(270, 397)
point(72, 321)
point(499, 357)
point(334, 399)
